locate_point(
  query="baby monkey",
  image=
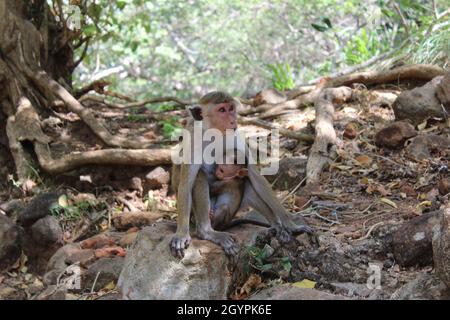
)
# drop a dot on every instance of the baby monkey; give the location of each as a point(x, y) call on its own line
point(227, 194)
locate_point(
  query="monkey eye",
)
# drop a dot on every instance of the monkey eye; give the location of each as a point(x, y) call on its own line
point(221, 170)
point(231, 108)
point(222, 109)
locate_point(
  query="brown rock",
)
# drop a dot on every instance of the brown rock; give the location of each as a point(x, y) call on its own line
point(412, 241)
point(271, 96)
point(395, 135)
point(127, 220)
point(408, 190)
point(110, 252)
point(350, 131)
point(97, 241)
point(156, 179)
point(419, 103)
point(444, 186)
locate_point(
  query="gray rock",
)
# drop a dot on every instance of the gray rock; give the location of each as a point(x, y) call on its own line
point(443, 91)
point(10, 293)
point(424, 287)
point(291, 171)
point(290, 292)
point(423, 146)
point(352, 289)
point(10, 242)
point(38, 208)
point(53, 293)
point(419, 103)
point(441, 246)
point(41, 241)
point(151, 272)
point(412, 241)
point(59, 262)
point(107, 269)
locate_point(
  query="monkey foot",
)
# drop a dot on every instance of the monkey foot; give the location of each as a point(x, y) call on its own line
point(301, 229)
point(223, 239)
point(282, 234)
point(178, 244)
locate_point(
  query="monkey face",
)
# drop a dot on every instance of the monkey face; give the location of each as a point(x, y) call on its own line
point(222, 116)
point(229, 171)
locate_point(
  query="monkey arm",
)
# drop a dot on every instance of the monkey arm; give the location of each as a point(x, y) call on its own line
point(182, 239)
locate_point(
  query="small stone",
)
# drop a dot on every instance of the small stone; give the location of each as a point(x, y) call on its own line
point(350, 131)
point(395, 135)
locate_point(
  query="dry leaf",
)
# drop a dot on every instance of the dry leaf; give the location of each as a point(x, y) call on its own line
point(305, 284)
point(364, 160)
point(388, 202)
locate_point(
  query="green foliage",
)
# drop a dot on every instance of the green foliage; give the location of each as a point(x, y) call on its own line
point(184, 48)
point(170, 127)
point(76, 212)
point(282, 78)
point(259, 259)
point(363, 47)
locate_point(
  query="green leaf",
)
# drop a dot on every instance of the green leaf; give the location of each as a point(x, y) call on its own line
point(327, 21)
point(319, 28)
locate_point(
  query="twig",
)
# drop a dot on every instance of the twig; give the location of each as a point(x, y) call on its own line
point(402, 17)
point(370, 230)
point(95, 282)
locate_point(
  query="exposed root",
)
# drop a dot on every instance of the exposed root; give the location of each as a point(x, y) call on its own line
point(324, 145)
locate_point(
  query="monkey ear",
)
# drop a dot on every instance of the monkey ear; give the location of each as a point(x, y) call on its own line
point(196, 112)
point(242, 173)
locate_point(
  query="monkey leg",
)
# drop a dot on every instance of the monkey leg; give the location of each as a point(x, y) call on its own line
point(201, 206)
point(222, 217)
point(284, 227)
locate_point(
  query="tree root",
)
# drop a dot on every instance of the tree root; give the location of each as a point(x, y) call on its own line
point(50, 88)
point(26, 115)
point(417, 71)
point(324, 145)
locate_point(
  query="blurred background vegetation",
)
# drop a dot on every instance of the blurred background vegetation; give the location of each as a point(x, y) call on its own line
point(186, 48)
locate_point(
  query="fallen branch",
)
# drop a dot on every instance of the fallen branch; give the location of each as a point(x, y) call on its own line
point(324, 145)
point(135, 104)
point(287, 133)
point(423, 72)
point(145, 157)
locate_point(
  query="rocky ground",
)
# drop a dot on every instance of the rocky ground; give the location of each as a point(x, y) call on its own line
point(380, 210)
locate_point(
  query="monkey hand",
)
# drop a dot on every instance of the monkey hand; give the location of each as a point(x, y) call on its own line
point(178, 244)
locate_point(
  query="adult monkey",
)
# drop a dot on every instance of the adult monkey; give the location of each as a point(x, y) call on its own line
point(217, 110)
